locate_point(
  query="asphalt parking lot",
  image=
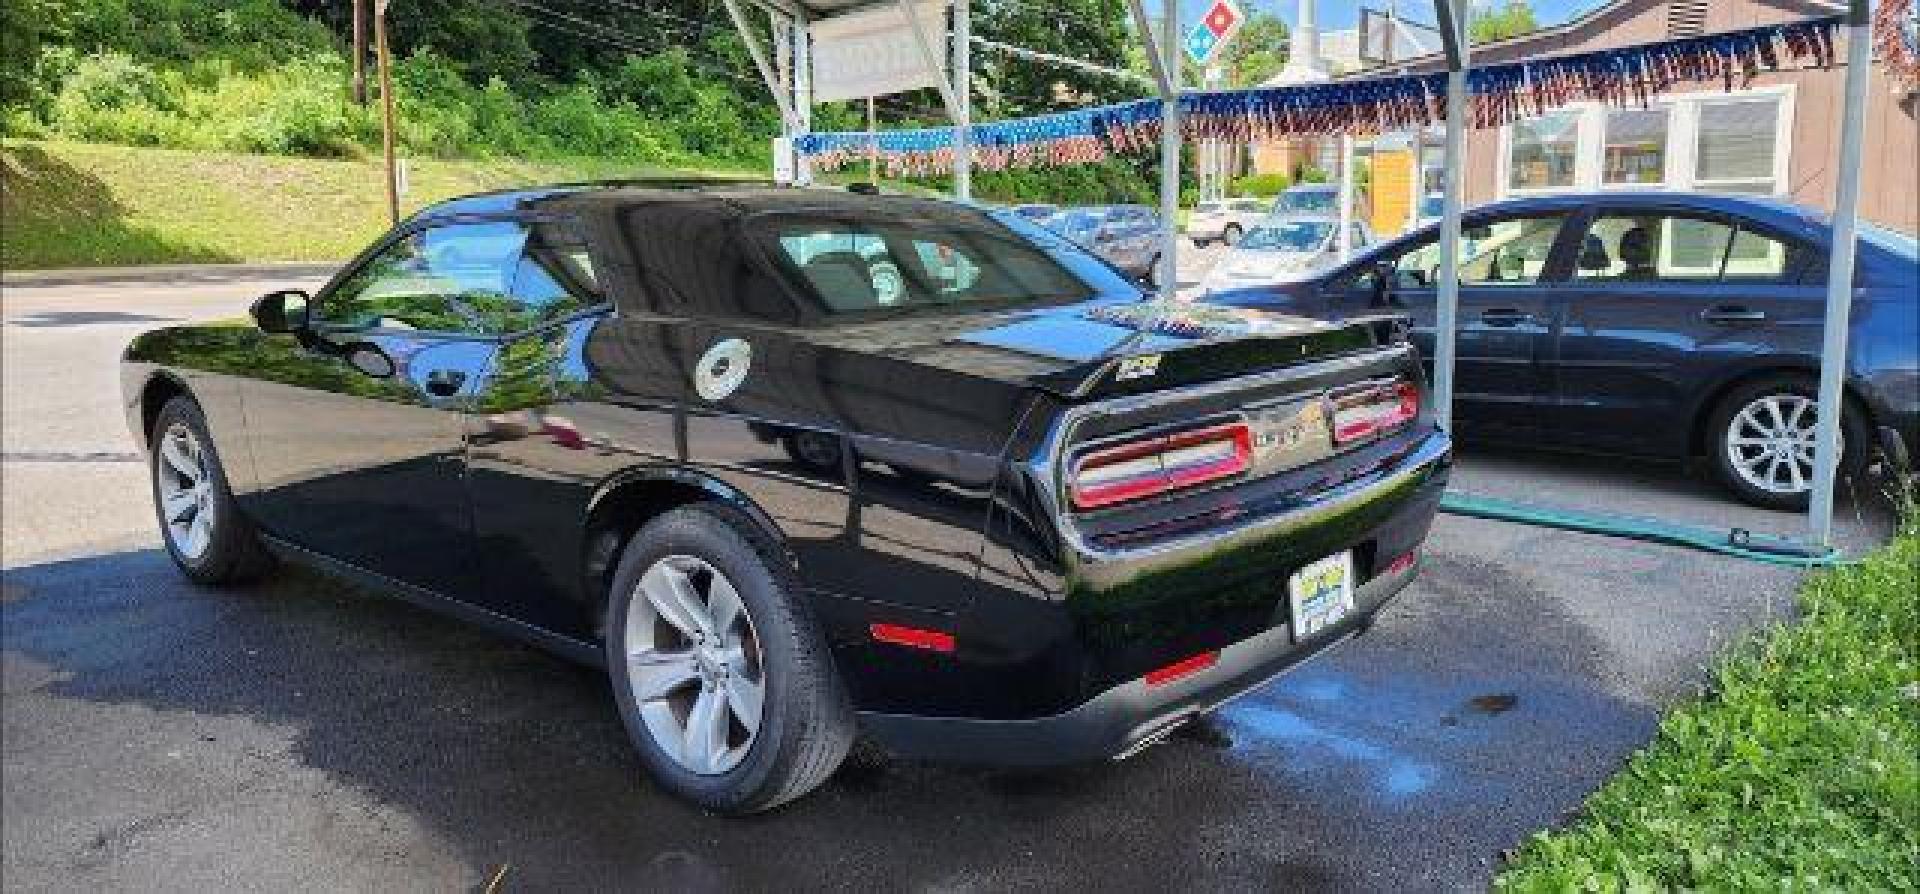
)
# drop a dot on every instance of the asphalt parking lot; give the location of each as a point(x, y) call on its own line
point(302, 733)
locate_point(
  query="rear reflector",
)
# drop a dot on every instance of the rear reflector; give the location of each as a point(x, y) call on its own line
point(1156, 465)
point(1374, 410)
point(1185, 667)
point(913, 637)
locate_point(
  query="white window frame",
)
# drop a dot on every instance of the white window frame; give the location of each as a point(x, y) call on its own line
point(1683, 143)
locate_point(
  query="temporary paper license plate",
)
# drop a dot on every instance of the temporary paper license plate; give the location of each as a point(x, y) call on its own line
point(1321, 594)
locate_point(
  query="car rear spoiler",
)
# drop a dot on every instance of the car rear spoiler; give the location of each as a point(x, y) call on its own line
point(1146, 365)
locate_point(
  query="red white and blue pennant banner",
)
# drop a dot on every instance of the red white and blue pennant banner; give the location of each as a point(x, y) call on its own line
point(1498, 94)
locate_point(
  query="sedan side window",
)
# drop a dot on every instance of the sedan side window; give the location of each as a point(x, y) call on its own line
point(475, 278)
point(1506, 252)
point(1654, 248)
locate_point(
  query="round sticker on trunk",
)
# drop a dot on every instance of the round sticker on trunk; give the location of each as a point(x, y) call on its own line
point(722, 369)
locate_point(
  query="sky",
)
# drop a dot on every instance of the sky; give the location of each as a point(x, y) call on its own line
point(1337, 14)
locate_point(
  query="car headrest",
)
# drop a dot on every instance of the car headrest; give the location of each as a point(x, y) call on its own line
point(843, 280)
point(1593, 254)
point(1636, 247)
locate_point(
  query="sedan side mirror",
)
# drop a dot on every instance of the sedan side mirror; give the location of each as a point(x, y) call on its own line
point(283, 311)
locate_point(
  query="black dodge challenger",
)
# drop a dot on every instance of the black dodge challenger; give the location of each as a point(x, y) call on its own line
point(798, 464)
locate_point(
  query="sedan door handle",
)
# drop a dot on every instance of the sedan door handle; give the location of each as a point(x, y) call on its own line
point(1733, 315)
point(1505, 316)
point(445, 382)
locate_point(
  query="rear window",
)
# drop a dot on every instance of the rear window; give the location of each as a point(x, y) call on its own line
point(855, 266)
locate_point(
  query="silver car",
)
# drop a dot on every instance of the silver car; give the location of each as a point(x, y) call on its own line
point(1283, 249)
point(1126, 236)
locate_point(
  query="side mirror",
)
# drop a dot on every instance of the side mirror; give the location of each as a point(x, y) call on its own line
point(283, 311)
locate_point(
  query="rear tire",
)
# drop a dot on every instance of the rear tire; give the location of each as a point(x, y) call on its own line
point(1231, 235)
point(1760, 442)
point(704, 622)
point(200, 524)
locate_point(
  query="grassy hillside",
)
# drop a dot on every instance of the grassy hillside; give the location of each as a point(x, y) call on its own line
point(83, 205)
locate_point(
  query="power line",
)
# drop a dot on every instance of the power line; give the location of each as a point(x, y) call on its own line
point(614, 37)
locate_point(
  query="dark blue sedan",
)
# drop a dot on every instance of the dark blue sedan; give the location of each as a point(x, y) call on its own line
point(1654, 324)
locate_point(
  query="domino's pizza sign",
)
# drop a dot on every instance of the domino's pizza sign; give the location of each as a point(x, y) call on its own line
point(1218, 26)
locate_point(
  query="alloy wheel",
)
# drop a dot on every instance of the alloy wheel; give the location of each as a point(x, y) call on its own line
point(1770, 443)
point(185, 488)
point(694, 665)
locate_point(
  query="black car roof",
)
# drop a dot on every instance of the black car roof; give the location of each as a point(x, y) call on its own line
point(746, 196)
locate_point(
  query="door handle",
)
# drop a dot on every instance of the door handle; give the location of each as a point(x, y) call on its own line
point(445, 382)
point(1733, 314)
point(1505, 316)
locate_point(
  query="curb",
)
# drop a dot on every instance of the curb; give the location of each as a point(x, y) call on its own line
point(170, 273)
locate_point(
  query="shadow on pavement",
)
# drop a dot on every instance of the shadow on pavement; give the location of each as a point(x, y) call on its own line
point(1408, 759)
point(60, 216)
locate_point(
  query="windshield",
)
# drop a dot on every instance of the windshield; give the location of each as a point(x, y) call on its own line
point(1293, 235)
point(1296, 201)
point(851, 265)
point(1205, 207)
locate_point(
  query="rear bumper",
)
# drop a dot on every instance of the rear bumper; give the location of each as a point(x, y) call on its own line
point(1125, 717)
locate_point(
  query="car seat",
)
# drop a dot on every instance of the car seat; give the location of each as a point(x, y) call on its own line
point(843, 280)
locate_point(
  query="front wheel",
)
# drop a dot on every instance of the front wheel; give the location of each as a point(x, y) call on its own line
point(1762, 442)
point(204, 532)
point(720, 673)
point(1231, 235)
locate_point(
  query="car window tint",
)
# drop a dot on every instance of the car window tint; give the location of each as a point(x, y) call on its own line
point(852, 266)
point(552, 279)
point(443, 279)
point(1653, 248)
point(1506, 252)
point(1754, 256)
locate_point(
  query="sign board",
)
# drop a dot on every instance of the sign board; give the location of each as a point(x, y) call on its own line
point(873, 52)
point(1214, 30)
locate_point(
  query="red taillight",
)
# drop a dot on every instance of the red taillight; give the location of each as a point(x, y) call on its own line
point(1185, 667)
point(1156, 465)
point(1374, 410)
point(1403, 563)
point(899, 635)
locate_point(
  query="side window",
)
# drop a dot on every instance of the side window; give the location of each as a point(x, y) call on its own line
point(478, 278)
point(1757, 258)
point(1506, 252)
point(553, 278)
point(1654, 248)
point(436, 279)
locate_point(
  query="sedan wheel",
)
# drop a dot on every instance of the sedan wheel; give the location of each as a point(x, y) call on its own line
point(1763, 442)
point(695, 665)
point(1231, 236)
point(185, 491)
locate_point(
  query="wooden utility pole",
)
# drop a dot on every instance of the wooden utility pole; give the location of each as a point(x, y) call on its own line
point(360, 51)
point(386, 107)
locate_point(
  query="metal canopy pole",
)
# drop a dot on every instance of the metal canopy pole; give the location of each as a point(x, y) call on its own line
point(1343, 238)
point(1453, 37)
point(932, 61)
point(1846, 215)
point(963, 93)
point(1170, 152)
point(1166, 74)
point(760, 62)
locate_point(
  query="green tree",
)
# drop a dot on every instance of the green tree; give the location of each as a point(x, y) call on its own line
point(1513, 19)
point(1258, 52)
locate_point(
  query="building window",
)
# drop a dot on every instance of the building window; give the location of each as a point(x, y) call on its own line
point(1636, 150)
point(1544, 152)
point(1736, 145)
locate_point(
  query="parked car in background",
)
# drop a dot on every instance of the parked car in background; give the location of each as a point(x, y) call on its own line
point(1013, 515)
point(1307, 198)
point(1284, 250)
point(1126, 236)
point(1660, 324)
point(1224, 221)
point(1035, 212)
point(1432, 206)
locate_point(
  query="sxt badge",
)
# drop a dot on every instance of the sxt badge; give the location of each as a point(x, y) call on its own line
point(722, 369)
point(1138, 367)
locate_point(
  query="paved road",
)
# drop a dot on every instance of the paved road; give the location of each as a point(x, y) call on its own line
point(304, 734)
